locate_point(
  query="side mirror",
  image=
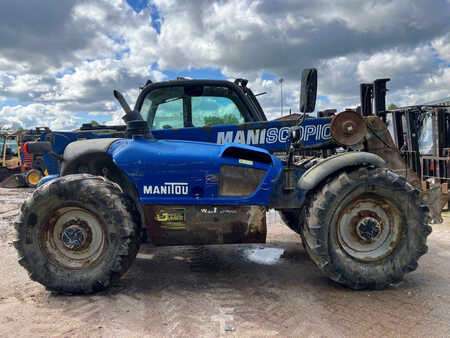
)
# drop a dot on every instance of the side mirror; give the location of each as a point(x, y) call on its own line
point(38, 147)
point(308, 90)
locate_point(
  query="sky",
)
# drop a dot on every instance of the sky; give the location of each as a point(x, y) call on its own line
point(61, 60)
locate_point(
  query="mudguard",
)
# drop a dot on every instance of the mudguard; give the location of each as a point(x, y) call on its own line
point(78, 149)
point(314, 175)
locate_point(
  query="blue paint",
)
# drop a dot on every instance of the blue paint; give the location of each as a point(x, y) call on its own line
point(270, 135)
point(46, 179)
point(186, 166)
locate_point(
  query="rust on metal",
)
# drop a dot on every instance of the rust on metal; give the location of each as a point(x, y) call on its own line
point(422, 135)
point(348, 128)
point(369, 228)
point(379, 141)
point(205, 224)
point(60, 251)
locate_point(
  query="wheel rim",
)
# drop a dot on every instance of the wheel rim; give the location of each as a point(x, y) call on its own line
point(369, 228)
point(33, 178)
point(74, 238)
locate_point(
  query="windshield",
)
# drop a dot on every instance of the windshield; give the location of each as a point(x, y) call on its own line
point(160, 96)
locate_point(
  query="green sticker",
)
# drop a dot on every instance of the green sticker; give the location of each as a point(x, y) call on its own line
point(248, 162)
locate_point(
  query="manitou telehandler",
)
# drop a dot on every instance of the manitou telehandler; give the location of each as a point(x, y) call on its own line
point(193, 168)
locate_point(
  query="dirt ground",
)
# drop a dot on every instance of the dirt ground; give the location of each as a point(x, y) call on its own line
point(238, 290)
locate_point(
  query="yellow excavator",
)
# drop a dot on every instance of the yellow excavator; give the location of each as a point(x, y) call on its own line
point(17, 168)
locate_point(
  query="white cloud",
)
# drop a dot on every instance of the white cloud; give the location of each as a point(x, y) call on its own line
point(442, 46)
point(68, 56)
point(396, 63)
point(38, 114)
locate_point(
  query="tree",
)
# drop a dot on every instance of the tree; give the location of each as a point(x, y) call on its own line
point(392, 106)
point(215, 120)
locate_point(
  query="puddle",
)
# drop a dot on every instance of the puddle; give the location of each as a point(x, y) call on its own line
point(264, 255)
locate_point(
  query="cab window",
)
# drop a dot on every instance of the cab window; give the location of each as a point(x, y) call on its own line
point(169, 115)
point(192, 106)
point(11, 147)
point(2, 143)
point(212, 110)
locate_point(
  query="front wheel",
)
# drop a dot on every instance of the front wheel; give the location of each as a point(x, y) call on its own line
point(366, 228)
point(76, 234)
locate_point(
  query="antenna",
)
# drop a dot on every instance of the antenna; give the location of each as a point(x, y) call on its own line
point(281, 80)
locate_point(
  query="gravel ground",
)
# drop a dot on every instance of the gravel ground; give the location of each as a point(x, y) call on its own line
point(237, 290)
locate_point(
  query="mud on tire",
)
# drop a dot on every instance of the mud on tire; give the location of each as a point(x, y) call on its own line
point(77, 234)
point(366, 228)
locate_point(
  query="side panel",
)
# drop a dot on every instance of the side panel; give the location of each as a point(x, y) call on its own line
point(189, 173)
point(270, 135)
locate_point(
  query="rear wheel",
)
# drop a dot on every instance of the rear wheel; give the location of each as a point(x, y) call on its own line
point(366, 228)
point(77, 234)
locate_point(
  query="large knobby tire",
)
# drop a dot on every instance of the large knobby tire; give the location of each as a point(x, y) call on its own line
point(77, 234)
point(366, 228)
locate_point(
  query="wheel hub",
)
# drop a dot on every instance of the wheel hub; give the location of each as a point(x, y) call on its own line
point(74, 237)
point(369, 229)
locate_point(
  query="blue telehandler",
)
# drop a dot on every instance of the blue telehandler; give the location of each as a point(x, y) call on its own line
point(199, 164)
